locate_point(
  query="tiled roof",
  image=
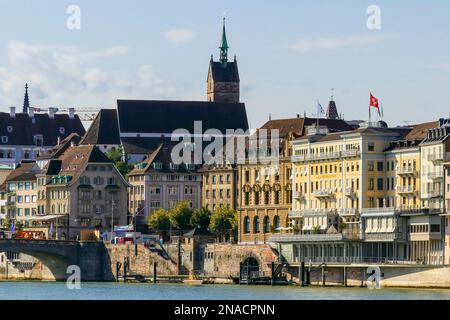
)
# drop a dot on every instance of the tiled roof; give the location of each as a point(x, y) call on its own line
point(104, 129)
point(25, 171)
point(22, 128)
point(150, 116)
point(162, 155)
point(58, 150)
point(419, 131)
point(298, 125)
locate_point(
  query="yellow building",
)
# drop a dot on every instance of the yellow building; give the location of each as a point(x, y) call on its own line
point(265, 190)
point(357, 197)
point(219, 186)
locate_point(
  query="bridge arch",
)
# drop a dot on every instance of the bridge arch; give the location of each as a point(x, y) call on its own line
point(55, 255)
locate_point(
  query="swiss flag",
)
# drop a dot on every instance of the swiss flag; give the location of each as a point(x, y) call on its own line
point(374, 102)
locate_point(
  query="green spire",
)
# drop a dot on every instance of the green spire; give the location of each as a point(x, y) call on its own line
point(224, 46)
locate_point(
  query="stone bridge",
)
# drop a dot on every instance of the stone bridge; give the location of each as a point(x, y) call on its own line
point(92, 257)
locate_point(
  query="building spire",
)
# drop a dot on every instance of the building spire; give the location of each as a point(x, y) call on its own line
point(224, 46)
point(26, 100)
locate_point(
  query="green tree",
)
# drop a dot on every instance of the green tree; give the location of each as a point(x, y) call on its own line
point(180, 216)
point(223, 221)
point(159, 220)
point(201, 218)
point(117, 156)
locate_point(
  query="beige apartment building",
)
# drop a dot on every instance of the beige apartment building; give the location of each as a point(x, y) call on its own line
point(219, 186)
point(158, 183)
point(81, 189)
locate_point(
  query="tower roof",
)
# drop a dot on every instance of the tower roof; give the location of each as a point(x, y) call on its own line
point(332, 112)
point(224, 42)
point(26, 100)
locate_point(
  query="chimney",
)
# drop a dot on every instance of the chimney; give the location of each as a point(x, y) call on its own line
point(71, 113)
point(31, 112)
point(51, 112)
point(12, 112)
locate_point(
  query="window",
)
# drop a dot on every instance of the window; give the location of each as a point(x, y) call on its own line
point(276, 222)
point(370, 166)
point(266, 224)
point(371, 184)
point(371, 146)
point(380, 166)
point(256, 225)
point(380, 184)
point(246, 225)
point(62, 130)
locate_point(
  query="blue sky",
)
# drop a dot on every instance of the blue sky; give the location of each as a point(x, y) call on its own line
point(290, 54)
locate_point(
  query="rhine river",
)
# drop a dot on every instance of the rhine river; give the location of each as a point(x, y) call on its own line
point(117, 291)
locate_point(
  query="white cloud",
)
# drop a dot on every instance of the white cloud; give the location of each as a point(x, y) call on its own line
point(305, 45)
point(179, 36)
point(68, 76)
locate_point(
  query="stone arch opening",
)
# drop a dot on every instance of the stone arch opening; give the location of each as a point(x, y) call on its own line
point(250, 268)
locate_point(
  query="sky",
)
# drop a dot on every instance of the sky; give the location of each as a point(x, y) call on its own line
point(290, 54)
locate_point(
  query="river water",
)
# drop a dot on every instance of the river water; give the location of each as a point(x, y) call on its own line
point(116, 291)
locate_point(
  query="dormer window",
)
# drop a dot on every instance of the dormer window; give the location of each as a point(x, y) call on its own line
point(173, 166)
point(4, 139)
point(9, 129)
point(62, 130)
point(157, 165)
point(38, 140)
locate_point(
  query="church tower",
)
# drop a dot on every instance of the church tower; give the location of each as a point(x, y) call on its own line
point(332, 112)
point(26, 100)
point(223, 76)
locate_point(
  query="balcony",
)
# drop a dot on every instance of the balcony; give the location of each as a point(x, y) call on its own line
point(348, 212)
point(349, 192)
point(433, 195)
point(407, 171)
point(311, 212)
point(435, 176)
point(293, 238)
point(350, 153)
point(406, 189)
point(326, 156)
point(436, 157)
point(298, 195)
point(377, 210)
point(324, 193)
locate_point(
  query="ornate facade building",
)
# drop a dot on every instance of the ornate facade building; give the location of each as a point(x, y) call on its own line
point(265, 192)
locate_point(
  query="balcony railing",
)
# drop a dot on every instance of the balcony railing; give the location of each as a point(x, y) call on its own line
point(298, 195)
point(348, 212)
point(349, 192)
point(433, 194)
point(322, 193)
point(311, 212)
point(377, 210)
point(406, 189)
point(407, 171)
point(435, 157)
point(435, 176)
point(326, 156)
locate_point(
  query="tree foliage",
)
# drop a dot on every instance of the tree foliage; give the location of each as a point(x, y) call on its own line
point(201, 218)
point(117, 156)
point(159, 220)
point(180, 216)
point(223, 220)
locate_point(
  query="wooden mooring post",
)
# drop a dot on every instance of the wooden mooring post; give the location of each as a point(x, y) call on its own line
point(154, 272)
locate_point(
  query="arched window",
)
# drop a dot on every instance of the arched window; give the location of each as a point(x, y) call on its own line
point(276, 222)
point(256, 225)
point(246, 225)
point(266, 224)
